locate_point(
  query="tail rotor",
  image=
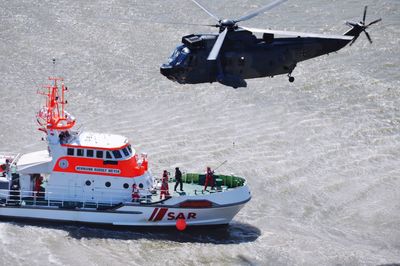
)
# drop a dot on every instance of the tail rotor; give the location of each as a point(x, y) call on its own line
point(361, 27)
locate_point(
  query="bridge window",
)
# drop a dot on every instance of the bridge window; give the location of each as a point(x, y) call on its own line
point(89, 153)
point(130, 149)
point(99, 154)
point(70, 151)
point(117, 154)
point(80, 152)
point(125, 151)
point(108, 155)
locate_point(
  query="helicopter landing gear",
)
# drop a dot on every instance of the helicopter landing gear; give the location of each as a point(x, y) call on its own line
point(291, 79)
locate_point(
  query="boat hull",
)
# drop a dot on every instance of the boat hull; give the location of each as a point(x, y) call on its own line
point(153, 216)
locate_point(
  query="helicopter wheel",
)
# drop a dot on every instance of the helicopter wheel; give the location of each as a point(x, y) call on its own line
point(291, 79)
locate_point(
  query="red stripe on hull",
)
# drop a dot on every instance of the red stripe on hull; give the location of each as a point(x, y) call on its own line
point(161, 214)
point(154, 213)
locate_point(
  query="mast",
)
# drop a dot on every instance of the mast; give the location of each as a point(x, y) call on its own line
point(52, 116)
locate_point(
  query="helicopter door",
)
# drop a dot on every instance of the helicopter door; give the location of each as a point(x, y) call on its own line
point(233, 63)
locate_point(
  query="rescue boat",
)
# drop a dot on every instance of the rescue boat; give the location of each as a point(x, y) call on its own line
point(100, 178)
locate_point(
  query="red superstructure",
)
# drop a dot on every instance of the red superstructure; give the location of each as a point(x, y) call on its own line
point(83, 153)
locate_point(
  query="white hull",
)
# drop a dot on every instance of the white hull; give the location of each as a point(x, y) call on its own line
point(129, 216)
point(225, 206)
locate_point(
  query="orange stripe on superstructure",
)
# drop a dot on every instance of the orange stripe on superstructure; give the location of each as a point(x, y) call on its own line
point(128, 168)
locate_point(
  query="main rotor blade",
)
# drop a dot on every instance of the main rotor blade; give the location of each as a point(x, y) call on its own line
point(206, 10)
point(260, 10)
point(369, 37)
point(217, 45)
point(365, 14)
point(299, 34)
point(373, 22)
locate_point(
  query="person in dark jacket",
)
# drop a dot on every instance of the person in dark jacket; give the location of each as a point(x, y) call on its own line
point(209, 181)
point(178, 178)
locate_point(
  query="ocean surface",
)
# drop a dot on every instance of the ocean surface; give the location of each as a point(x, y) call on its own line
point(321, 155)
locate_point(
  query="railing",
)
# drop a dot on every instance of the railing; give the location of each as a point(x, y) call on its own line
point(39, 198)
point(106, 198)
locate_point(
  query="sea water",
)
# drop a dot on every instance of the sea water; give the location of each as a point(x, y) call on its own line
point(321, 155)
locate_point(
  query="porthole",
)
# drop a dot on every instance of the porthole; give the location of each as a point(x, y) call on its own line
point(108, 184)
point(63, 164)
point(88, 183)
point(126, 185)
point(141, 185)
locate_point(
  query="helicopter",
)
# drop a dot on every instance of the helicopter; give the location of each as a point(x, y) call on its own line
point(236, 54)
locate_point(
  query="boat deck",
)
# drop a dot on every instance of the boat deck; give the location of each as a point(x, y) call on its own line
point(193, 185)
point(191, 189)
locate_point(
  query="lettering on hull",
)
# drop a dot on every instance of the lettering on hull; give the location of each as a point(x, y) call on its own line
point(159, 213)
point(97, 170)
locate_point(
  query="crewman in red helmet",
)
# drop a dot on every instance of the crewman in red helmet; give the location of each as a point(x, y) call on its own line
point(209, 181)
point(135, 193)
point(164, 185)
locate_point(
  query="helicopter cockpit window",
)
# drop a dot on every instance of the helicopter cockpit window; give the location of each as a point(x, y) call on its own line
point(175, 54)
point(179, 55)
point(183, 55)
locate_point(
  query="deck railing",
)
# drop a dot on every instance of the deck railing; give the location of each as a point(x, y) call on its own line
point(38, 198)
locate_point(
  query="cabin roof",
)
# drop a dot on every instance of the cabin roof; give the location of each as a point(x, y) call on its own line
point(34, 162)
point(98, 140)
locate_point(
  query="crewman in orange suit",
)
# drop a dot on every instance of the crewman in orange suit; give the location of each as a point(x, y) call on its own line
point(135, 193)
point(164, 185)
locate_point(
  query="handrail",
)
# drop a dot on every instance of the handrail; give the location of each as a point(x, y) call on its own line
point(109, 197)
point(36, 197)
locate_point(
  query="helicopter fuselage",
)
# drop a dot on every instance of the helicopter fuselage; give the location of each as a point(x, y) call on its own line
point(242, 56)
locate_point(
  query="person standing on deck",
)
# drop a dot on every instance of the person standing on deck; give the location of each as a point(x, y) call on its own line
point(37, 186)
point(209, 181)
point(135, 193)
point(164, 186)
point(178, 178)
